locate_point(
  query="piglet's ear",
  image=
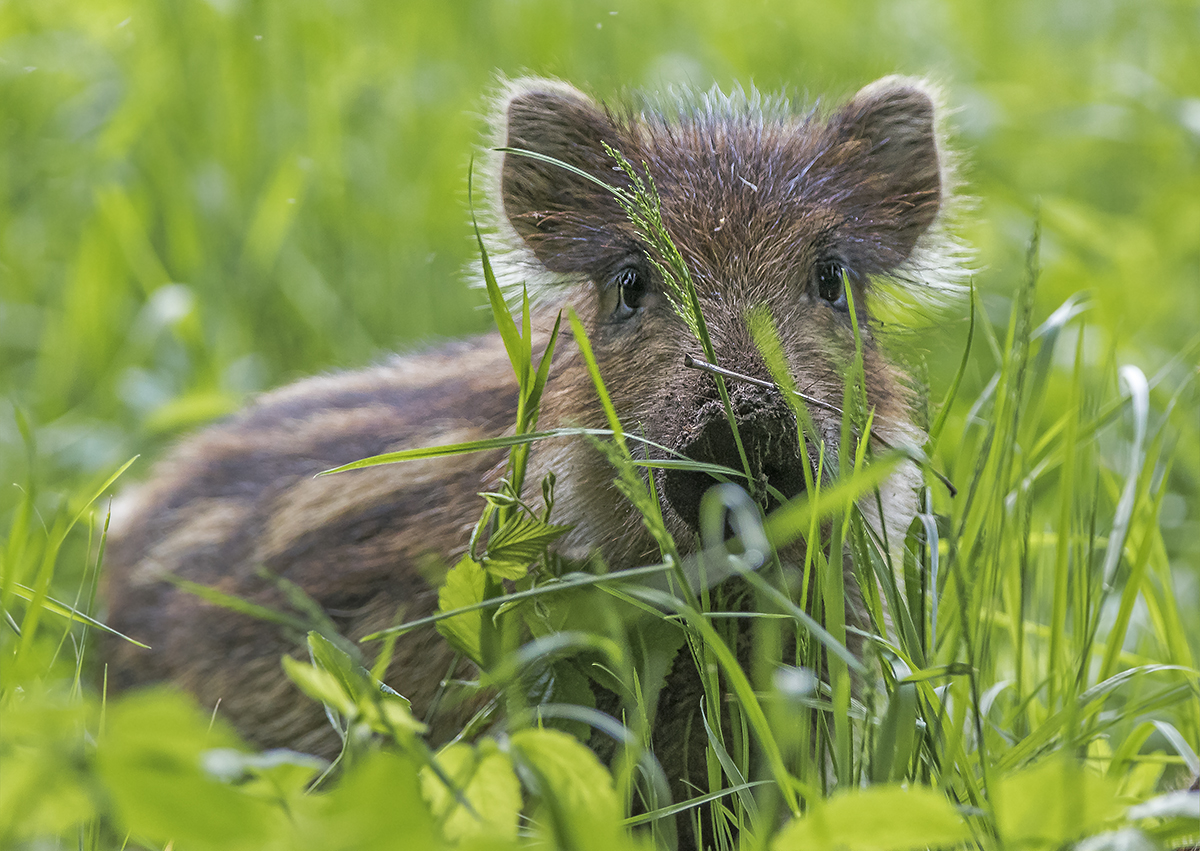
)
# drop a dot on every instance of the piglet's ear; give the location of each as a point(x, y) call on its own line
point(894, 119)
point(551, 207)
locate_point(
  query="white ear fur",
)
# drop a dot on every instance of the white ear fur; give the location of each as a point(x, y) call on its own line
point(516, 267)
point(939, 264)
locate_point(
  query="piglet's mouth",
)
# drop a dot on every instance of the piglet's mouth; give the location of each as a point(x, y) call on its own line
point(769, 435)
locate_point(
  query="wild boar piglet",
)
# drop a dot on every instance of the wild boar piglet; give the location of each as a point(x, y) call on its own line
point(771, 208)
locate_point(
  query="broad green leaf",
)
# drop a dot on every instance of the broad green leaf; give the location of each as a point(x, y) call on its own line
point(150, 760)
point(277, 775)
point(320, 685)
point(356, 680)
point(484, 779)
point(564, 684)
point(578, 796)
point(464, 586)
point(879, 818)
point(45, 787)
point(377, 804)
point(504, 569)
point(1053, 802)
point(337, 662)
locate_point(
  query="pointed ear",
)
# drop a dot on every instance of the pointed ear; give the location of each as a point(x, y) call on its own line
point(894, 120)
point(549, 206)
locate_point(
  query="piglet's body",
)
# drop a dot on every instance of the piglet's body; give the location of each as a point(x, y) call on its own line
point(770, 209)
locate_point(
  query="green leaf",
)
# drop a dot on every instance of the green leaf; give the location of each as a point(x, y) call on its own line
point(464, 585)
point(547, 589)
point(793, 519)
point(563, 683)
point(278, 775)
point(739, 684)
point(519, 352)
point(935, 430)
point(45, 787)
point(464, 448)
point(543, 370)
point(894, 739)
point(235, 603)
point(150, 761)
point(575, 790)
point(340, 683)
point(320, 685)
point(354, 680)
point(378, 804)
point(522, 539)
point(502, 569)
point(879, 818)
point(1054, 802)
point(483, 778)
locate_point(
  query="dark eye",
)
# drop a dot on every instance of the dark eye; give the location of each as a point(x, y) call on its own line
point(830, 284)
point(631, 291)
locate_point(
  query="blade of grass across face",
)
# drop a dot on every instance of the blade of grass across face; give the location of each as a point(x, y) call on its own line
point(766, 339)
point(543, 370)
point(630, 484)
point(730, 506)
point(793, 520)
point(610, 413)
point(643, 208)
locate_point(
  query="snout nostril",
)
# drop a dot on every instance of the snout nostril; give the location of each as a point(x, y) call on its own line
point(785, 479)
point(771, 445)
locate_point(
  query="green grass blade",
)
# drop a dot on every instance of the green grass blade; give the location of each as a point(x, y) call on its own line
point(69, 612)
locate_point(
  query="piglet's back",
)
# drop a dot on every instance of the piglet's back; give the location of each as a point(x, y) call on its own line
point(241, 498)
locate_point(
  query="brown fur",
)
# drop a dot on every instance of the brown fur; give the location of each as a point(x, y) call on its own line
point(759, 201)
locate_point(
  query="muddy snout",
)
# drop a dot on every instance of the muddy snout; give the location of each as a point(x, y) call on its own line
point(769, 435)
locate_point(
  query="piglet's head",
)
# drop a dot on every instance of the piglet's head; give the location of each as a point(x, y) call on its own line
point(795, 216)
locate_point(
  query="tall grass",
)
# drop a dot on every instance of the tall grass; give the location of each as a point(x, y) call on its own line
point(1010, 698)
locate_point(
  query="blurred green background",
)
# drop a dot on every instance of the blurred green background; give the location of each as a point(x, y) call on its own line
point(201, 199)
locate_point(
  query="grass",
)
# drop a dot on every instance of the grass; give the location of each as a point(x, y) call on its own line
point(167, 248)
point(1005, 698)
point(1018, 702)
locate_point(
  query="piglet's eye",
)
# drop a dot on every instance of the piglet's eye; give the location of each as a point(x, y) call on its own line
point(829, 283)
point(631, 290)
